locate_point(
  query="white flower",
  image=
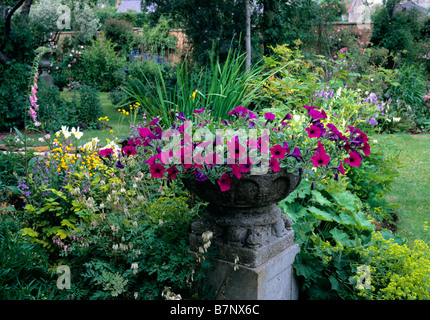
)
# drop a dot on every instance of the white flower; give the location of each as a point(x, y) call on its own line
point(65, 131)
point(92, 144)
point(134, 266)
point(207, 236)
point(77, 133)
point(396, 119)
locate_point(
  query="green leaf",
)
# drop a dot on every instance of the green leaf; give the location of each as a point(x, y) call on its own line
point(319, 198)
point(58, 193)
point(95, 181)
point(362, 221)
point(62, 234)
point(323, 215)
point(347, 200)
point(66, 222)
point(295, 211)
point(29, 232)
point(19, 133)
point(347, 219)
point(341, 237)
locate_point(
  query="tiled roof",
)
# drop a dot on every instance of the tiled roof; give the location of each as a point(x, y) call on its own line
point(129, 5)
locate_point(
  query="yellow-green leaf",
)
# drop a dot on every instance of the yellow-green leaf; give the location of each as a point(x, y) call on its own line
point(29, 232)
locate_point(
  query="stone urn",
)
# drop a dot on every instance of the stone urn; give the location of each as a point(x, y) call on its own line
point(249, 230)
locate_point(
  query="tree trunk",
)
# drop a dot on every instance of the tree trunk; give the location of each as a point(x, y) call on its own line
point(26, 8)
point(268, 24)
point(9, 17)
point(3, 59)
point(248, 35)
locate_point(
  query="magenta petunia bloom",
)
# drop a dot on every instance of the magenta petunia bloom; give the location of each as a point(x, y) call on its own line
point(225, 182)
point(315, 114)
point(274, 164)
point(269, 116)
point(106, 152)
point(239, 111)
point(246, 167)
point(341, 168)
point(287, 117)
point(236, 171)
point(278, 152)
point(172, 172)
point(198, 111)
point(157, 170)
point(154, 121)
point(129, 150)
point(366, 148)
point(253, 144)
point(252, 115)
point(314, 131)
point(235, 149)
point(146, 133)
point(321, 148)
point(354, 159)
point(151, 160)
point(320, 159)
point(309, 108)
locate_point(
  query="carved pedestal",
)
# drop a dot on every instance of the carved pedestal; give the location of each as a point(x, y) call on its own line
point(253, 238)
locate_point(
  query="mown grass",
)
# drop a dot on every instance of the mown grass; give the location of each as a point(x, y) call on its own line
point(117, 121)
point(411, 190)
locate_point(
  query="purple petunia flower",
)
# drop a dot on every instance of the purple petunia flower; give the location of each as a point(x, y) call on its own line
point(200, 176)
point(119, 165)
point(269, 116)
point(181, 116)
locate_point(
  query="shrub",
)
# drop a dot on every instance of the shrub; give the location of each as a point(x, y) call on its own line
point(13, 94)
point(118, 31)
point(330, 227)
point(396, 271)
point(100, 66)
point(24, 265)
point(89, 108)
point(55, 111)
point(135, 255)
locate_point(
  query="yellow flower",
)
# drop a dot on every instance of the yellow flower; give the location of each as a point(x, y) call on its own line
point(111, 131)
point(194, 94)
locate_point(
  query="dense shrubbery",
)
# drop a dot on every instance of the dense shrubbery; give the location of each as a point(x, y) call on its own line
point(124, 234)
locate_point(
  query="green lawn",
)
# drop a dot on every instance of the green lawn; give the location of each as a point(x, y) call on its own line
point(118, 124)
point(411, 189)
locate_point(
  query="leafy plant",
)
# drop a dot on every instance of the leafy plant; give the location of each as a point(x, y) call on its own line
point(24, 266)
point(100, 66)
point(396, 271)
point(330, 227)
point(89, 108)
point(221, 88)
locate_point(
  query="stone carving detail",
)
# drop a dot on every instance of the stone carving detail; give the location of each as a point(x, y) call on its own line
point(246, 222)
